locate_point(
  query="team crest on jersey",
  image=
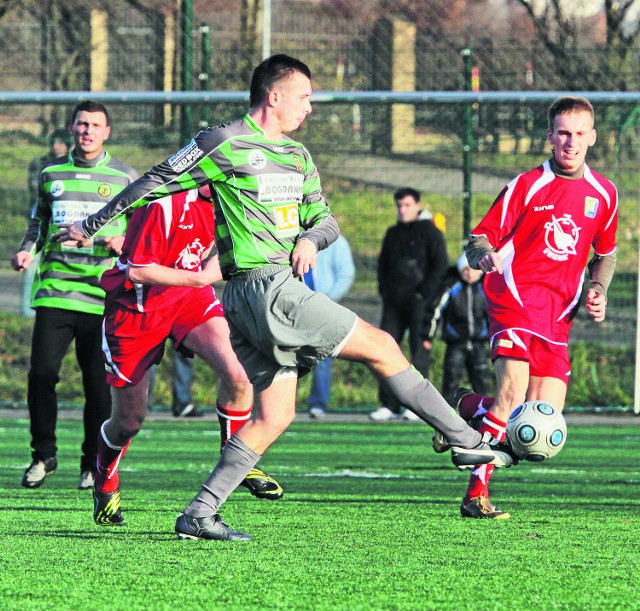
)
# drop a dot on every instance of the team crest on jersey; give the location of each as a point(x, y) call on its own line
point(57, 188)
point(561, 237)
point(191, 255)
point(257, 159)
point(298, 163)
point(590, 207)
point(104, 190)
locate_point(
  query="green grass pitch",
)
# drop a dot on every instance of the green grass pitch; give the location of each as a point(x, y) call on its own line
point(369, 520)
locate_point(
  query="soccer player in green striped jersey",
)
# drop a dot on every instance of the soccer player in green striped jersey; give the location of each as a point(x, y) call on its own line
point(271, 220)
point(67, 297)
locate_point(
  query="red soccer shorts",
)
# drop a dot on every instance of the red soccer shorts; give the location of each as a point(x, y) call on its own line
point(133, 341)
point(545, 358)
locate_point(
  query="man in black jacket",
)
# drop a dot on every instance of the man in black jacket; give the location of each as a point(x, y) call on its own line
point(411, 266)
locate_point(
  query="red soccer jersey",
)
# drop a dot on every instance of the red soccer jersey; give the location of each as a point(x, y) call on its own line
point(175, 231)
point(544, 227)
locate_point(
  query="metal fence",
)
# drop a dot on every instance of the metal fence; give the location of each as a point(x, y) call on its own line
point(359, 176)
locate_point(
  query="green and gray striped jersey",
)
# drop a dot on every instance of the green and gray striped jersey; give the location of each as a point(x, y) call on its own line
point(71, 189)
point(267, 194)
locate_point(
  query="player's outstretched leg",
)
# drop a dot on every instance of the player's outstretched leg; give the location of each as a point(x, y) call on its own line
point(382, 355)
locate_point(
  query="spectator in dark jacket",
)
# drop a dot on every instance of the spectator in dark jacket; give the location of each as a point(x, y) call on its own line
point(462, 315)
point(412, 263)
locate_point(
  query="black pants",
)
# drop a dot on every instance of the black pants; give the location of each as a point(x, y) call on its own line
point(469, 357)
point(53, 332)
point(396, 321)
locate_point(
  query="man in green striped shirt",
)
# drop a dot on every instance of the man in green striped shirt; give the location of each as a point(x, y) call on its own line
point(271, 220)
point(67, 297)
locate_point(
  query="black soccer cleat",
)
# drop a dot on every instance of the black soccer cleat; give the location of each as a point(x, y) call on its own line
point(262, 486)
point(488, 452)
point(37, 472)
point(209, 527)
point(106, 508)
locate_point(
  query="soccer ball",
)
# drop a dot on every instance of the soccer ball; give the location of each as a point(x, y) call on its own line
point(536, 431)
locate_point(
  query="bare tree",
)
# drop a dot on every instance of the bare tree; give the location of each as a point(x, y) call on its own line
point(623, 33)
point(558, 25)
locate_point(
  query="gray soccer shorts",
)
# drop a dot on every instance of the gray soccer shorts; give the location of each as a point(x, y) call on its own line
point(280, 325)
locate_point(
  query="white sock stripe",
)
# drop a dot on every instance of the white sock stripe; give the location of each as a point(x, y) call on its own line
point(481, 473)
point(480, 411)
point(227, 417)
point(496, 427)
point(104, 437)
point(116, 465)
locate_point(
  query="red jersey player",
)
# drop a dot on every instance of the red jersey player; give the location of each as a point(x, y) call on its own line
point(159, 289)
point(533, 245)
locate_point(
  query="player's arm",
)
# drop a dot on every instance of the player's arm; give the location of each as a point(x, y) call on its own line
point(318, 223)
point(310, 242)
point(601, 269)
point(499, 221)
point(36, 234)
point(180, 172)
point(320, 228)
point(168, 276)
point(481, 255)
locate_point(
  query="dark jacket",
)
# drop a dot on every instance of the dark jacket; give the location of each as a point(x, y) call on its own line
point(462, 311)
point(413, 260)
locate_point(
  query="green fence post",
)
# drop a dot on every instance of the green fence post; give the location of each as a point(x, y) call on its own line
point(186, 117)
point(205, 64)
point(467, 148)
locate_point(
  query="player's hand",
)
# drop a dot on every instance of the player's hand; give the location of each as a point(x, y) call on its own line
point(115, 243)
point(491, 262)
point(427, 344)
point(303, 257)
point(211, 270)
point(70, 232)
point(21, 260)
point(596, 305)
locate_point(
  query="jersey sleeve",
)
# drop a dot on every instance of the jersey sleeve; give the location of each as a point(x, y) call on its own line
point(316, 218)
point(38, 228)
point(502, 217)
point(191, 167)
point(314, 207)
point(604, 242)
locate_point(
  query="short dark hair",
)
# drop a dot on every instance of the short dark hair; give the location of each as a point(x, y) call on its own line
point(270, 71)
point(401, 193)
point(89, 106)
point(567, 105)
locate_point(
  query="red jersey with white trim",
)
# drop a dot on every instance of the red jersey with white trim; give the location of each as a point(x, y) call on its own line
point(175, 231)
point(544, 226)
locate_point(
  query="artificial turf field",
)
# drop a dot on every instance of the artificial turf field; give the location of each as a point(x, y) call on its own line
point(369, 520)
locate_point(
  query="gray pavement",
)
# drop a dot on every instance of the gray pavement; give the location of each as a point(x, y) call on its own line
point(390, 174)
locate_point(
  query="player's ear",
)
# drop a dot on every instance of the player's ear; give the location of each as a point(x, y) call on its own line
point(273, 98)
point(107, 132)
point(593, 138)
